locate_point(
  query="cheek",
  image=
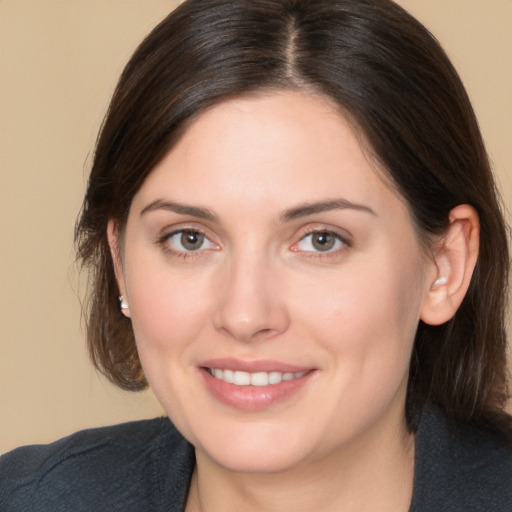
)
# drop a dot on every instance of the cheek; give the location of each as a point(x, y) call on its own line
point(366, 296)
point(169, 314)
point(367, 316)
point(168, 309)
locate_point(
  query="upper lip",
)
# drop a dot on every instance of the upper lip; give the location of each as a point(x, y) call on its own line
point(253, 366)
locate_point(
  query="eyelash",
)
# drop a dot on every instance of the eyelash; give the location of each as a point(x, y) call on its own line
point(330, 253)
point(163, 241)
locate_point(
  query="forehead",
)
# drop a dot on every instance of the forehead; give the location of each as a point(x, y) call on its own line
point(282, 147)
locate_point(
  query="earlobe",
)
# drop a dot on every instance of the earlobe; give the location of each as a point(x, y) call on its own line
point(455, 257)
point(115, 251)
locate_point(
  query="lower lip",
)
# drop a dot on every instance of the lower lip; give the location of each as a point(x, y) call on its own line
point(253, 398)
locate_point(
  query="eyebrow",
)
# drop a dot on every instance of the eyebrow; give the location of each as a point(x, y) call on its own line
point(323, 206)
point(183, 209)
point(297, 212)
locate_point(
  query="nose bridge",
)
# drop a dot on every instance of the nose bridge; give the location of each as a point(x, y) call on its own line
point(249, 305)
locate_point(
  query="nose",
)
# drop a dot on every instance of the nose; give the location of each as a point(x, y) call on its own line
point(250, 305)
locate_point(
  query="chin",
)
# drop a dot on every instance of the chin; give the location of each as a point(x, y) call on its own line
point(254, 460)
point(253, 448)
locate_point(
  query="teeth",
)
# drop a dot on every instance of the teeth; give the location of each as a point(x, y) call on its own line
point(241, 378)
point(253, 379)
point(259, 379)
point(275, 377)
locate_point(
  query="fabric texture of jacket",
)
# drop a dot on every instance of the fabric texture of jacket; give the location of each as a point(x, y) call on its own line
point(147, 466)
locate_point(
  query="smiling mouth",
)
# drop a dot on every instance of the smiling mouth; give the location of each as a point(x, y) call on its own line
point(239, 378)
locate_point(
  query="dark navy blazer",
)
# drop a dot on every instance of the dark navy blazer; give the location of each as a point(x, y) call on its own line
point(147, 465)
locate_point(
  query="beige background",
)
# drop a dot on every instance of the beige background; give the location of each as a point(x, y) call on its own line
point(59, 63)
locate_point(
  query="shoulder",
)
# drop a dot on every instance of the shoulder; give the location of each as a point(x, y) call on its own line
point(105, 446)
point(461, 467)
point(121, 464)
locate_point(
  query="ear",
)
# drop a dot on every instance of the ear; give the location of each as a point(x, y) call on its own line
point(455, 257)
point(114, 242)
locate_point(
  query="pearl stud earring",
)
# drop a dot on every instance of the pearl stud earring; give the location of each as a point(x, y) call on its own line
point(122, 303)
point(439, 282)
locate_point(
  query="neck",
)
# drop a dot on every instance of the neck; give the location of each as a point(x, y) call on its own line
point(375, 473)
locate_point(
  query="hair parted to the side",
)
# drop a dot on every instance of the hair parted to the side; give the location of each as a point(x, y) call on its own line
point(395, 82)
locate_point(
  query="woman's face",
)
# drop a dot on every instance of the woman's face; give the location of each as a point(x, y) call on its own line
point(275, 284)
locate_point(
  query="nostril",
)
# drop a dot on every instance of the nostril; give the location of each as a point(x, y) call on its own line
point(247, 307)
point(264, 333)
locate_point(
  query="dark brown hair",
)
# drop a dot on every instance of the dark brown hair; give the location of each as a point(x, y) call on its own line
point(395, 82)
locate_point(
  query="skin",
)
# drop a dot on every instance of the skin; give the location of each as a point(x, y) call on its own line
point(259, 289)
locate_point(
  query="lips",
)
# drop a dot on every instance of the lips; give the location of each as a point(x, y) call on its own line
point(253, 386)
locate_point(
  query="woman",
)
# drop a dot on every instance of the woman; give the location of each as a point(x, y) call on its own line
point(296, 241)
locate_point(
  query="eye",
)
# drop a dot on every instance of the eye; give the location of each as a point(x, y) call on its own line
point(187, 240)
point(320, 241)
